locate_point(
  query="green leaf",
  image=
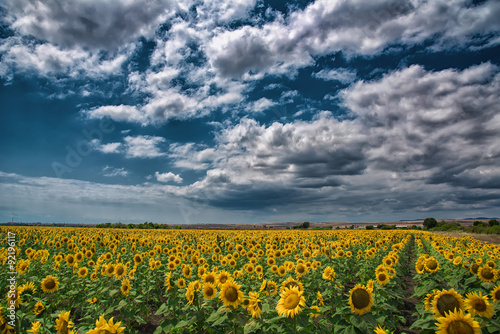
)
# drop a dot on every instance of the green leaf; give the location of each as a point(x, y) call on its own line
point(220, 320)
point(251, 326)
point(162, 309)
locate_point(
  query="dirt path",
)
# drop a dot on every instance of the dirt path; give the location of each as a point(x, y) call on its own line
point(491, 238)
point(409, 303)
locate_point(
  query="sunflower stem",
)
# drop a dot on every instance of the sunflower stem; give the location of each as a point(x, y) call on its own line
point(295, 324)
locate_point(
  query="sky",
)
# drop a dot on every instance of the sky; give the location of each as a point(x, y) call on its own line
point(249, 111)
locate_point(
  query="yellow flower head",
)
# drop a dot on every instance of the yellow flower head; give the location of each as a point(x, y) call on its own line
point(457, 322)
point(360, 299)
point(477, 304)
point(290, 302)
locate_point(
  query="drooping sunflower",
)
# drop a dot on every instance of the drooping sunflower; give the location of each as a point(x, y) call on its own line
point(190, 294)
point(420, 267)
point(63, 324)
point(38, 308)
point(230, 294)
point(446, 301)
point(476, 304)
point(209, 290)
point(125, 289)
point(290, 302)
point(50, 284)
point(487, 274)
point(360, 299)
point(457, 322)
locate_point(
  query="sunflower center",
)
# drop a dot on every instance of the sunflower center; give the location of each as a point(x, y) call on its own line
point(231, 294)
point(447, 303)
point(432, 264)
point(209, 291)
point(479, 305)
point(487, 273)
point(50, 284)
point(420, 267)
point(360, 298)
point(382, 277)
point(460, 327)
point(300, 269)
point(497, 294)
point(474, 268)
point(291, 301)
point(119, 271)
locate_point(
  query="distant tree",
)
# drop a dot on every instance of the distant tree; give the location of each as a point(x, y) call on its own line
point(478, 223)
point(493, 222)
point(306, 224)
point(430, 223)
point(369, 227)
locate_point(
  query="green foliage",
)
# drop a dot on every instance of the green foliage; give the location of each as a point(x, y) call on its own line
point(447, 227)
point(146, 225)
point(478, 223)
point(369, 227)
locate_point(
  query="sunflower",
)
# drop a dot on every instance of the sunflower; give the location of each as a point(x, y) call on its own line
point(478, 304)
point(271, 261)
point(457, 322)
point(50, 284)
point(110, 270)
point(420, 267)
point(103, 326)
point(290, 282)
point(360, 299)
point(281, 270)
point(82, 272)
point(301, 270)
point(230, 294)
point(209, 278)
point(38, 308)
point(222, 277)
point(272, 288)
point(495, 294)
point(209, 290)
point(382, 278)
point(63, 324)
point(125, 289)
point(486, 274)
point(138, 258)
point(329, 274)
point(446, 301)
point(70, 260)
point(429, 298)
point(181, 283)
point(290, 302)
point(432, 265)
point(120, 271)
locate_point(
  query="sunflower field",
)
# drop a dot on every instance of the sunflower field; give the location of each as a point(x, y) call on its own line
point(85, 280)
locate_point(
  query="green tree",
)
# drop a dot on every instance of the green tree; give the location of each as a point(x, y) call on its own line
point(478, 223)
point(493, 222)
point(430, 223)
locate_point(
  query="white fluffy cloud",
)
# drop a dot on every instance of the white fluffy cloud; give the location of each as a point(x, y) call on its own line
point(344, 75)
point(143, 146)
point(168, 177)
